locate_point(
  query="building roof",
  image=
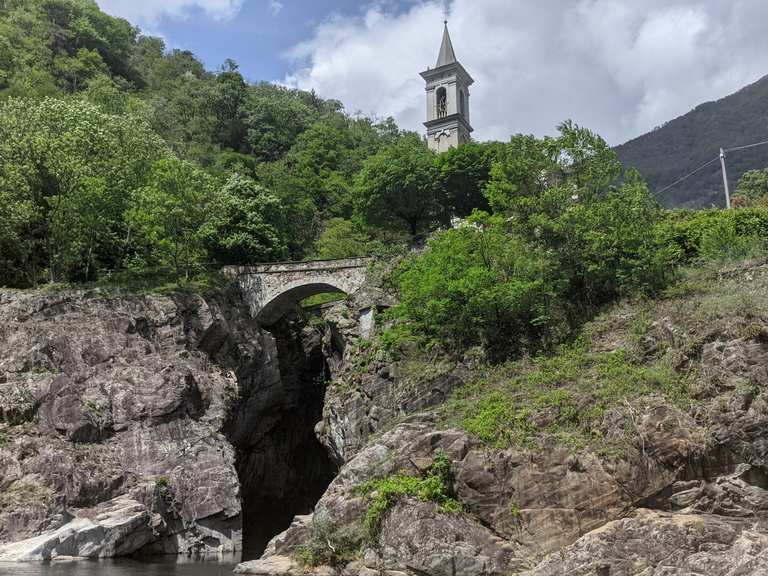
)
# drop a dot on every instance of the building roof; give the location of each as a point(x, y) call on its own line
point(447, 55)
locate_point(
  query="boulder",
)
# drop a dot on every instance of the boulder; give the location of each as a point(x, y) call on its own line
point(115, 528)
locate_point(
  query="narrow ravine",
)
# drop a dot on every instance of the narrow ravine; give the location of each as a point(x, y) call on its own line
point(282, 467)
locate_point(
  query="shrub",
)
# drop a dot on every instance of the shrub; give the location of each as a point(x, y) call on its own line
point(565, 240)
point(477, 285)
point(714, 234)
point(722, 243)
point(328, 544)
point(436, 485)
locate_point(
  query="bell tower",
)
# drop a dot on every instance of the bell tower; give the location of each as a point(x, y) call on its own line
point(447, 100)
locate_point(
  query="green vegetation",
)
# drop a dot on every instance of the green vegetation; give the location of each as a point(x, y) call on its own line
point(715, 235)
point(123, 161)
point(328, 544)
point(435, 485)
point(685, 143)
point(324, 298)
point(118, 156)
point(590, 391)
point(753, 189)
point(569, 396)
point(563, 240)
point(399, 187)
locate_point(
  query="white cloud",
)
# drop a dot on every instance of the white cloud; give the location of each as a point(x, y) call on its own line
point(148, 13)
point(275, 6)
point(620, 67)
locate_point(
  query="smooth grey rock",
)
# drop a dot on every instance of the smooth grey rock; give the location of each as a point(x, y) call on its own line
point(115, 528)
point(105, 396)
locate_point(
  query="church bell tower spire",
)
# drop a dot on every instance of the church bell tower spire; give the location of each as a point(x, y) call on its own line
point(447, 99)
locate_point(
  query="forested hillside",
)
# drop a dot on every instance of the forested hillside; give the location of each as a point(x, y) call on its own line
point(682, 145)
point(117, 154)
point(120, 154)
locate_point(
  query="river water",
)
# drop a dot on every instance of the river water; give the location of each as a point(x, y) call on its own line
point(124, 567)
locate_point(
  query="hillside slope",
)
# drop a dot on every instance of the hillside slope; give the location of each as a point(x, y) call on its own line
point(684, 144)
point(639, 450)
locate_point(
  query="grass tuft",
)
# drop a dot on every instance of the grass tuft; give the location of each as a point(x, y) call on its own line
point(436, 485)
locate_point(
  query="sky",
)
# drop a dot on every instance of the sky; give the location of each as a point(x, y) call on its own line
point(619, 67)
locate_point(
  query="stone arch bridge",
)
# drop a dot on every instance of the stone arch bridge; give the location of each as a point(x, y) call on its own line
point(271, 290)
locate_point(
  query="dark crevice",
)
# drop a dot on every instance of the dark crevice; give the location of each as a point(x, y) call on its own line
point(282, 467)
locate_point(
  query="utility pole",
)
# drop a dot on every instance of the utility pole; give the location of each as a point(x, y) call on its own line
point(725, 180)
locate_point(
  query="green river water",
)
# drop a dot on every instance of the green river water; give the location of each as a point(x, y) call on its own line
point(124, 567)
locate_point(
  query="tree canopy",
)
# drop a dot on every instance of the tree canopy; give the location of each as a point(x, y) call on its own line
point(116, 151)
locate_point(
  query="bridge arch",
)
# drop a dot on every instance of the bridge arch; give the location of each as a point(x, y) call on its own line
point(284, 301)
point(272, 290)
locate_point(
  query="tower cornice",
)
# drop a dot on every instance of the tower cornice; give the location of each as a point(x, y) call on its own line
point(450, 119)
point(432, 73)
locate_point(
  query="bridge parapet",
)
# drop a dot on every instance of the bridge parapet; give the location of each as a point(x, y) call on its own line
point(308, 266)
point(273, 289)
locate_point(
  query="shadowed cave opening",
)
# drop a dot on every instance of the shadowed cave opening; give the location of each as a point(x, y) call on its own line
point(282, 467)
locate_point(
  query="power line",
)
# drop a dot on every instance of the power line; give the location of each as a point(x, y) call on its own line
point(676, 182)
point(756, 144)
point(700, 168)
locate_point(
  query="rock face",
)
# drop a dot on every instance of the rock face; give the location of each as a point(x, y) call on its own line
point(177, 425)
point(112, 412)
point(114, 528)
point(282, 466)
point(688, 494)
point(651, 542)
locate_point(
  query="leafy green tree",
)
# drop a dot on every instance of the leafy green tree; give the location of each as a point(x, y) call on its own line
point(75, 71)
point(344, 239)
point(20, 241)
point(275, 117)
point(113, 98)
point(68, 169)
point(307, 151)
point(400, 186)
point(169, 214)
point(229, 97)
point(565, 239)
point(245, 224)
point(301, 217)
point(480, 284)
point(753, 187)
point(465, 171)
point(80, 25)
point(560, 195)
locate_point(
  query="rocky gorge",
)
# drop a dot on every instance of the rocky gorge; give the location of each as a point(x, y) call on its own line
point(128, 421)
point(144, 424)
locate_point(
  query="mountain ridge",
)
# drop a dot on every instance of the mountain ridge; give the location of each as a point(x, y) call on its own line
point(687, 142)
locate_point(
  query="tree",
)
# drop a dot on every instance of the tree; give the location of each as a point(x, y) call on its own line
point(305, 150)
point(465, 171)
point(275, 117)
point(68, 170)
point(565, 239)
point(169, 214)
point(400, 186)
point(560, 194)
point(480, 284)
point(245, 224)
point(344, 239)
point(228, 102)
point(753, 187)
